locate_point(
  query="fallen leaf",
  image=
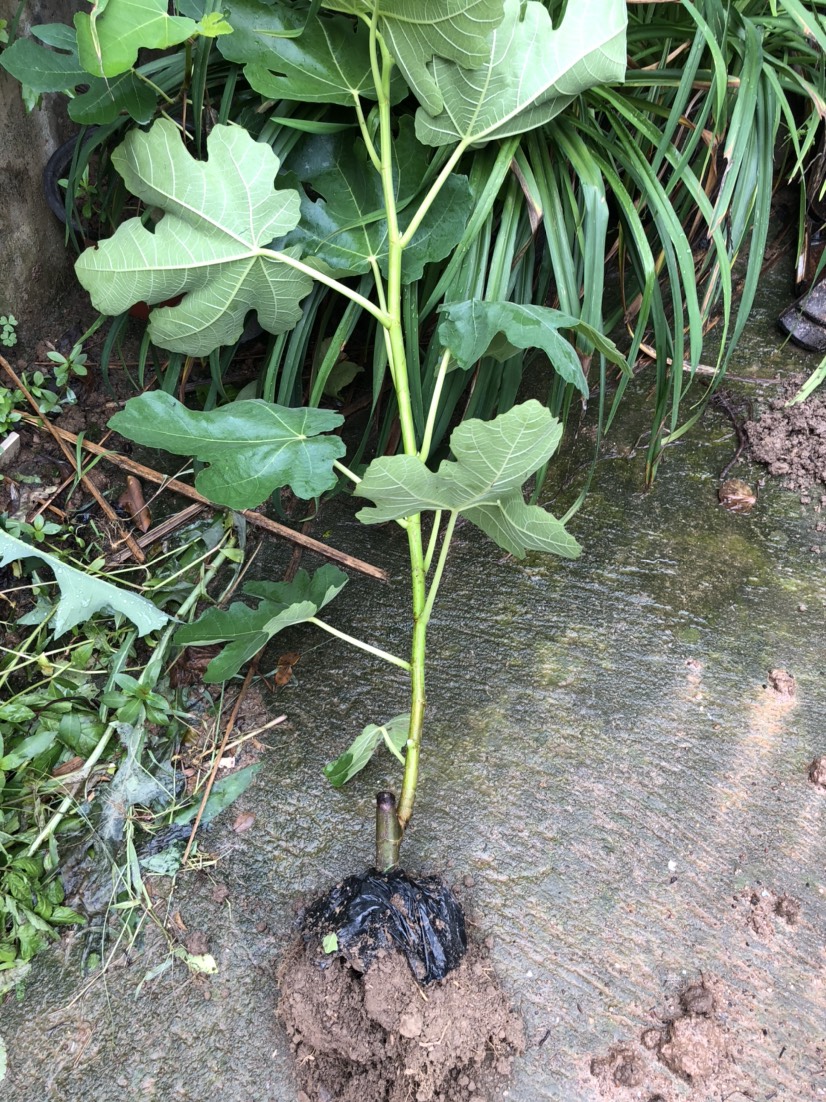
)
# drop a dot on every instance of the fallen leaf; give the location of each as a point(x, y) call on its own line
point(132, 500)
point(243, 821)
point(67, 767)
point(284, 670)
point(737, 496)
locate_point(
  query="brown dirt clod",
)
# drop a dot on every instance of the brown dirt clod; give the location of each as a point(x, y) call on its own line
point(380, 1037)
point(787, 908)
point(791, 440)
point(694, 1048)
point(782, 682)
point(621, 1066)
point(817, 771)
point(697, 999)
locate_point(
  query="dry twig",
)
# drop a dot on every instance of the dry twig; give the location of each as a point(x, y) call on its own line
point(256, 519)
point(57, 435)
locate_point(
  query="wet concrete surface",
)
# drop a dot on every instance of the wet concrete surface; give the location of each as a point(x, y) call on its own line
point(605, 758)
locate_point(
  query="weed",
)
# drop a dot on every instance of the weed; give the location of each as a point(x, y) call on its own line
point(8, 327)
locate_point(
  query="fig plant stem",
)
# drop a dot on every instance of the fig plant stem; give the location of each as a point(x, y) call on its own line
point(391, 300)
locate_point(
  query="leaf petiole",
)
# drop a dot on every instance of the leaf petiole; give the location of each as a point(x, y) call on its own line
point(431, 545)
point(346, 472)
point(440, 565)
point(380, 315)
point(424, 450)
point(377, 651)
point(365, 134)
point(430, 198)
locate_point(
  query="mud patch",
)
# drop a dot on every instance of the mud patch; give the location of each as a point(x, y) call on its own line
point(765, 911)
point(695, 1047)
point(782, 682)
point(791, 440)
point(817, 772)
point(621, 1066)
point(381, 1037)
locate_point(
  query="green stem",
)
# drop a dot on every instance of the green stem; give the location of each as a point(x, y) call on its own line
point(440, 565)
point(346, 472)
point(56, 819)
point(365, 133)
point(293, 262)
point(398, 359)
point(437, 186)
point(434, 535)
point(353, 641)
point(424, 451)
point(382, 297)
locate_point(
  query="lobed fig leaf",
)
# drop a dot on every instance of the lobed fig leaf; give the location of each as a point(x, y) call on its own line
point(59, 70)
point(394, 735)
point(110, 36)
point(417, 30)
point(246, 630)
point(210, 246)
point(476, 328)
point(328, 62)
point(252, 447)
point(346, 226)
point(483, 483)
point(531, 72)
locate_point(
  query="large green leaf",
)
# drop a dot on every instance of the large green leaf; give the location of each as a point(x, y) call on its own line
point(82, 595)
point(41, 69)
point(110, 36)
point(246, 630)
point(416, 30)
point(394, 735)
point(103, 100)
point(531, 73)
point(329, 62)
point(59, 70)
point(221, 214)
point(346, 225)
point(493, 460)
point(254, 447)
point(477, 328)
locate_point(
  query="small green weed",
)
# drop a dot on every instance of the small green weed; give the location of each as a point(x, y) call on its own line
point(67, 366)
point(8, 330)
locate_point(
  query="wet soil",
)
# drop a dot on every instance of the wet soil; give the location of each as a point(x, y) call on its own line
point(791, 440)
point(379, 1036)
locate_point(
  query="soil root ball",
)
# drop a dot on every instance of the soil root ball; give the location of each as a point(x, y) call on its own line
point(363, 1028)
point(382, 910)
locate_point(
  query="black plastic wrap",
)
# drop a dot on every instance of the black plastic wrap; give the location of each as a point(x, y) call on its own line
point(379, 910)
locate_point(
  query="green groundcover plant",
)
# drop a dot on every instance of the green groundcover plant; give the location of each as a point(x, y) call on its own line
point(235, 236)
